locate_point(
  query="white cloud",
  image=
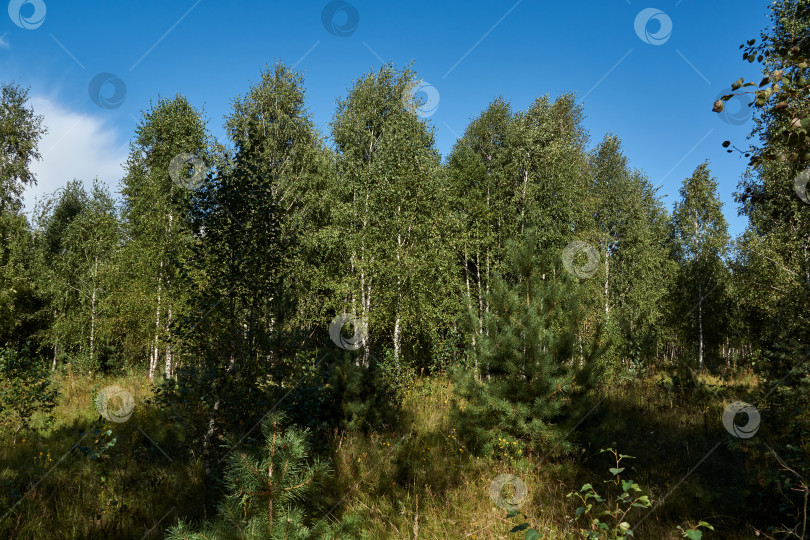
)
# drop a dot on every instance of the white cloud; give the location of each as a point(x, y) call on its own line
point(77, 146)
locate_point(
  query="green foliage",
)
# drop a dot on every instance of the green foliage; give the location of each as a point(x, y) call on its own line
point(606, 518)
point(527, 364)
point(482, 195)
point(267, 489)
point(22, 301)
point(26, 388)
point(611, 522)
point(693, 533)
point(392, 212)
point(632, 226)
point(771, 258)
point(227, 290)
point(782, 94)
point(151, 295)
point(700, 243)
point(360, 389)
point(344, 390)
point(79, 235)
point(20, 132)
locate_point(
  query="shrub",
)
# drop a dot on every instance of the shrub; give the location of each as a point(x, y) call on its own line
point(266, 489)
point(26, 388)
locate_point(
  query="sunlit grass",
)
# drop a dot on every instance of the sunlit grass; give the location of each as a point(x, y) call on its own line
point(417, 481)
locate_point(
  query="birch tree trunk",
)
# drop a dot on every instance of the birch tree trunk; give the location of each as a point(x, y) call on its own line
point(480, 293)
point(700, 324)
point(93, 313)
point(169, 370)
point(398, 316)
point(467, 278)
point(155, 349)
point(607, 274)
point(168, 367)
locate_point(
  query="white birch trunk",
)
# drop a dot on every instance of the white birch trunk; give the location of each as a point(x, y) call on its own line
point(607, 274)
point(397, 332)
point(469, 294)
point(93, 314)
point(155, 349)
point(169, 372)
point(168, 367)
point(700, 324)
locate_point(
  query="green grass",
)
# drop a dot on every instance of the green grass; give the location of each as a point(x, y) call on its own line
point(416, 482)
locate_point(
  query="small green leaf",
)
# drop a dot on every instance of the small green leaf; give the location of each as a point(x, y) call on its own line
point(643, 502)
point(518, 528)
point(616, 471)
point(693, 535)
point(626, 485)
point(531, 534)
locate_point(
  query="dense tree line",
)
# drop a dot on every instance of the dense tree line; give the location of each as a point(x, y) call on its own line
point(281, 229)
point(528, 264)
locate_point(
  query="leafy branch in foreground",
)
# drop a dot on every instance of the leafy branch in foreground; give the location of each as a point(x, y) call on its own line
point(615, 525)
point(609, 523)
point(781, 95)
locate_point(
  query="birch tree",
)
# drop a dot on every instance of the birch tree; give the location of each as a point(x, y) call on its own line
point(20, 132)
point(397, 260)
point(636, 268)
point(156, 209)
point(80, 235)
point(701, 245)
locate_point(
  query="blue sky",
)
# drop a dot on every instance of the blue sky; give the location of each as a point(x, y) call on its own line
point(651, 84)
